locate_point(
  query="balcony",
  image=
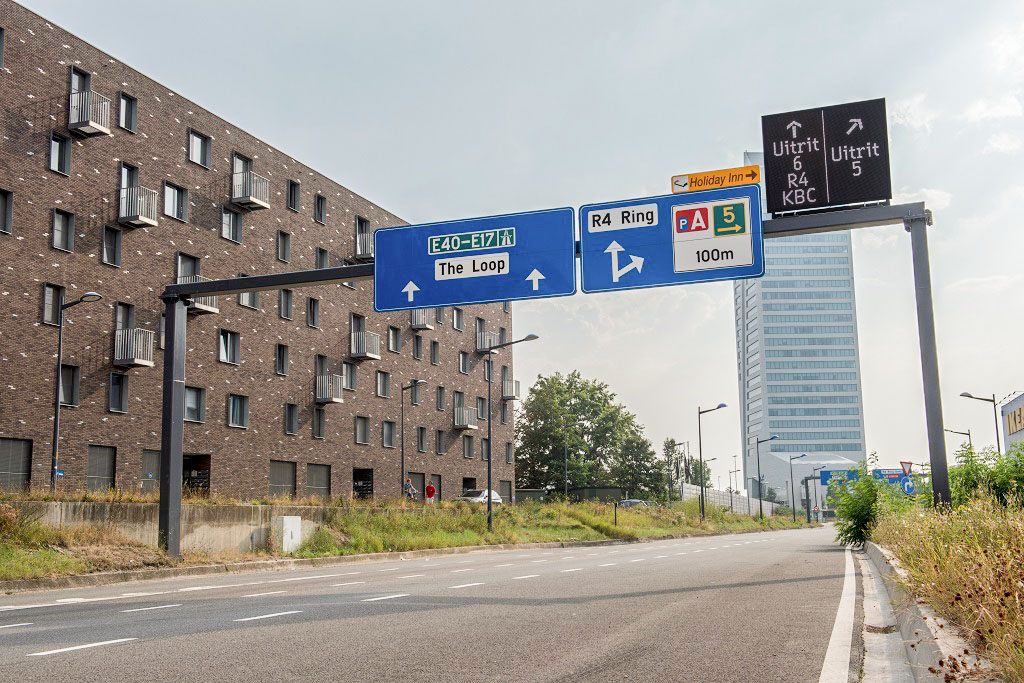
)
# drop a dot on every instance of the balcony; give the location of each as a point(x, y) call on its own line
point(485, 340)
point(364, 245)
point(464, 418)
point(133, 347)
point(250, 191)
point(200, 304)
point(329, 389)
point(422, 318)
point(366, 345)
point(89, 113)
point(510, 389)
point(137, 207)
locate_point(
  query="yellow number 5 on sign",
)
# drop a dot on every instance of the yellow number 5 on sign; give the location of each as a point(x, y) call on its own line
point(730, 219)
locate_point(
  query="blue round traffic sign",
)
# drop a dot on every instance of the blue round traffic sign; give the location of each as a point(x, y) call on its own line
point(908, 486)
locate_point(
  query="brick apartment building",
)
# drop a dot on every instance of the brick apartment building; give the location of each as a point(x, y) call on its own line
point(110, 182)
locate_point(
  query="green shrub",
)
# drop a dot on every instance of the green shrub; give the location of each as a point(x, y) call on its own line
point(857, 507)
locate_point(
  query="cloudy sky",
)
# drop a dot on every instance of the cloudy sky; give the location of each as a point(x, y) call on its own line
point(440, 110)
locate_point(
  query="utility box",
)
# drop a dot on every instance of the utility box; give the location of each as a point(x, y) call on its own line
point(287, 531)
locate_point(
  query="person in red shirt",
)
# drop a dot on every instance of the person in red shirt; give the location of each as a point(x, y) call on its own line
point(430, 492)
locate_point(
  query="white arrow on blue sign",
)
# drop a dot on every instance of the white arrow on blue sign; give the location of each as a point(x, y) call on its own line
point(474, 261)
point(672, 239)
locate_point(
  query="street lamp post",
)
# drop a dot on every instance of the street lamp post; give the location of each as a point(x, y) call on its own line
point(792, 484)
point(700, 453)
point(760, 493)
point(408, 387)
point(816, 482)
point(490, 379)
point(88, 297)
point(967, 434)
point(732, 487)
point(995, 412)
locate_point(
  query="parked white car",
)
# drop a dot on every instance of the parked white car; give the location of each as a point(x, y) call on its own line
point(480, 496)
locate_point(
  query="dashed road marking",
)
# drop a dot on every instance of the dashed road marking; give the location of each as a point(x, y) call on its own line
point(27, 623)
point(528, 576)
point(269, 616)
point(639, 559)
point(258, 595)
point(503, 565)
point(608, 564)
point(456, 571)
point(79, 647)
point(146, 609)
point(466, 585)
point(347, 583)
point(577, 569)
point(411, 576)
point(386, 597)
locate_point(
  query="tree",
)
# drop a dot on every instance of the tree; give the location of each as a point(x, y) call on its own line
point(636, 468)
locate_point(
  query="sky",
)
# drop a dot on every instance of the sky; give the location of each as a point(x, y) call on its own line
point(447, 110)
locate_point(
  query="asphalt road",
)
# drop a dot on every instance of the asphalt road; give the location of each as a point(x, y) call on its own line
point(745, 607)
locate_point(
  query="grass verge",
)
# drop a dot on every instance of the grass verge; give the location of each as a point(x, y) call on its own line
point(968, 564)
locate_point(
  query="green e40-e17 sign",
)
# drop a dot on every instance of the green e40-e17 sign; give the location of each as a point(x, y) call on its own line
point(468, 241)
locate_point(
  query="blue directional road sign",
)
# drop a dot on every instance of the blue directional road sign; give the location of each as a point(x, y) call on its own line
point(673, 239)
point(474, 261)
point(839, 475)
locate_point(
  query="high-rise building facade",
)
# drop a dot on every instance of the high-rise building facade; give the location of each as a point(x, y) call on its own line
point(798, 359)
point(111, 182)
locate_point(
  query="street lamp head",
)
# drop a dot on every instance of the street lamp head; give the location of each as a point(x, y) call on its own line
point(530, 337)
point(720, 405)
point(419, 382)
point(797, 457)
point(89, 297)
point(966, 394)
point(773, 437)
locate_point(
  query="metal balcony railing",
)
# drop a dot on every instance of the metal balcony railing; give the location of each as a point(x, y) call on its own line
point(366, 345)
point(485, 340)
point(364, 245)
point(329, 388)
point(133, 347)
point(89, 113)
point(510, 389)
point(422, 318)
point(137, 206)
point(250, 190)
point(200, 304)
point(464, 418)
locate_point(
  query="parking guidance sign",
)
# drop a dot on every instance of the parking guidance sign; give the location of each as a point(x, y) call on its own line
point(474, 261)
point(672, 239)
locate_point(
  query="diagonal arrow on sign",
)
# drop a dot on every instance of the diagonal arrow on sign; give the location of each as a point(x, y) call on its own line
point(857, 125)
point(635, 262)
point(535, 277)
point(410, 289)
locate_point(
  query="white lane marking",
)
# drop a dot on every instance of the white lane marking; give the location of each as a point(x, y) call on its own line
point(13, 608)
point(608, 564)
point(143, 595)
point(226, 585)
point(79, 647)
point(658, 557)
point(538, 560)
point(347, 583)
point(577, 569)
point(268, 616)
point(260, 595)
point(65, 601)
point(699, 550)
point(27, 623)
point(503, 565)
point(411, 576)
point(146, 609)
point(464, 562)
point(349, 573)
point(714, 548)
point(467, 569)
point(591, 554)
point(836, 668)
point(466, 585)
point(681, 553)
point(301, 578)
point(528, 576)
point(386, 597)
point(639, 559)
point(390, 569)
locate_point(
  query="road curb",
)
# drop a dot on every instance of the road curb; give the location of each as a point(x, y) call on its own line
point(292, 563)
point(931, 642)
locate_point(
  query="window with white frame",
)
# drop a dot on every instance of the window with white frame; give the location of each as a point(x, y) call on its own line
point(230, 225)
point(238, 410)
point(175, 202)
point(383, 384)
point(362, 429)
point(230, 347)
point(195, 404)
point(199, 148)
point(388, 434)
point(63, 229)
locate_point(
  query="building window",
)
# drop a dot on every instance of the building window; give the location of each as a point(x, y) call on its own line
point(458, 320)
point(439, 445)
point(463, 362)
point(281, 360)
point(284, 304)
point(323, 258)
point(230, 347)
point(502, 335)
point(318, 480)
point(230, 226)
point(111, 246)
point(487, 370)
point(510, 454)
point(481, 408)
point(291, 418)
point(383, 384)
point(421, 439)
point(319, 423)
point(249, 299)
point(282, 478)
point(435, 353)
point(284, 246)
point(417, 347)
point(101, 467)
point(117, 401)
point(362, 429)
point(53, 298)
point(439, 315)
point(60, 154)
point(504, 412)
point(238, 410)
point(63, 230)
point(414, 393)
point(320, 209)
point(195, 404)
point(15, 463)
point(6, 211)
point(175, 202)
point(124, 316)
point(199, 148)
point(313, 312)
point(485, 449)
point(439, 398)
point(467, 446)
point(128, 113)
point(294, 194)
point(348, 371)
point(506, 306)
point(387, 434)
point(394, 339)
point(70, 378)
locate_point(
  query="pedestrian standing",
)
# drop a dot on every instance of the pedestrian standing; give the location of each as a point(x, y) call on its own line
point(430, 491)
point(410, 490)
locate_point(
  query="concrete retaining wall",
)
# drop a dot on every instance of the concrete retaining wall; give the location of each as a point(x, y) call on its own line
point(741, 505)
